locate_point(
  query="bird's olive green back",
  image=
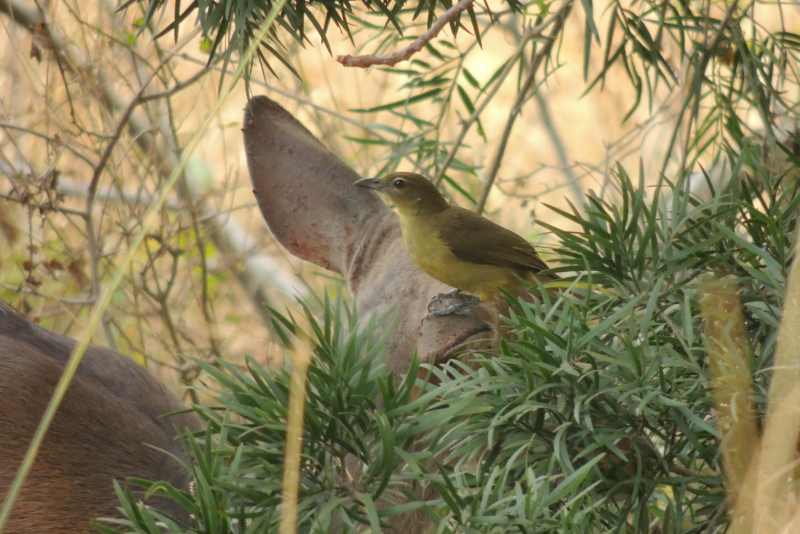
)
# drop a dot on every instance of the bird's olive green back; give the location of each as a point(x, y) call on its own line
point(476, 239)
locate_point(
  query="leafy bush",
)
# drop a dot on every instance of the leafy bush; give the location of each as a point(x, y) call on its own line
point(595, 415)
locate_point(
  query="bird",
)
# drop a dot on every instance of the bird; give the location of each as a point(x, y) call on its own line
point(454, 245)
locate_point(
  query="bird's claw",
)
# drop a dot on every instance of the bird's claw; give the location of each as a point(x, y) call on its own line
point(453, 302)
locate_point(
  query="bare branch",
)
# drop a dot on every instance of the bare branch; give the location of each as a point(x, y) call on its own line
point(260, 271)
point(368, 60)
point(522, 97)
point(532, 33)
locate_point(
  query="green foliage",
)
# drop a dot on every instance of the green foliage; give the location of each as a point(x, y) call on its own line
point(718, 65)
point(595, 416)
point(359, 422)
point(230, 25)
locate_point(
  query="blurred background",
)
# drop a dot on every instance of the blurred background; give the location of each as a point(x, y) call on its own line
point(75, 178)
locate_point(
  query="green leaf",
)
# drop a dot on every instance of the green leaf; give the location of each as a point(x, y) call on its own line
point(427, 95)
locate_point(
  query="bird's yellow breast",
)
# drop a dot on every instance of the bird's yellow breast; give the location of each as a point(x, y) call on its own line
point(432, 255)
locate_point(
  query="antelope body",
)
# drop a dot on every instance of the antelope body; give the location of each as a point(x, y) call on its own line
point(112, 424)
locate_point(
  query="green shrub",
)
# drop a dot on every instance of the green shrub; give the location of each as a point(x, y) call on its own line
point(595, 415)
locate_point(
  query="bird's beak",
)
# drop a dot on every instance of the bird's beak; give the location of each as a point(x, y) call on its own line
point(370, 183)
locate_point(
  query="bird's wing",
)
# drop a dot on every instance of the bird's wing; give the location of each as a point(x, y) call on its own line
point(486, 242)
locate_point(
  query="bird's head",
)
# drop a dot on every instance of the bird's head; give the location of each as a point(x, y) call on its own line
point(409, 192)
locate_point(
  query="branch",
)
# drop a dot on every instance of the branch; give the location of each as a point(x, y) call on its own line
point(558, 146)
point(368, 60)
point(259, 272)
point(521, 98)
point(473, 118)
point(263, 269)
point(91, 235)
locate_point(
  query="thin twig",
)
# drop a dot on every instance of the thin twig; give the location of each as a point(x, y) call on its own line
point(522, 96)
point(122, 124)
point(94, 254)
point(239, 244)
point(53, 141)
point(472, 119)
point(260, 271)
point(373, 130)
point(403, 54)
point(179, 86)
point(41, 206)
point(170, 132)
point(558, 146)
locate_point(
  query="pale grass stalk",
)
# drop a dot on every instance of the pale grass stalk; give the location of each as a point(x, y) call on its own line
point(762, 476)
point(149, 221)
point(294, 437)
point(794, 524)
point(729, 360)
point(775, 480)
point(782, 428)
point(742, 508)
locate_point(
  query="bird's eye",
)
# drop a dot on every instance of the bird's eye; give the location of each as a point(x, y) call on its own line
point(399, 183)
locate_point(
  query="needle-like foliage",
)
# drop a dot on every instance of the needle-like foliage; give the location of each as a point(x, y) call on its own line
point(230, 25)
point(597, 413)
point(595, 416)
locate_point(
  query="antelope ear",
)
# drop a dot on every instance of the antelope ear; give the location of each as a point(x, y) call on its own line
point(306, 194)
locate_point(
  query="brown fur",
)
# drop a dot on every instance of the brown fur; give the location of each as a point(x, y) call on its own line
point(104, 430)
point(310, 203)
point(308, 198)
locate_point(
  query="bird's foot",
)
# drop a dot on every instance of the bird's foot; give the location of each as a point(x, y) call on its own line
point(453, 302)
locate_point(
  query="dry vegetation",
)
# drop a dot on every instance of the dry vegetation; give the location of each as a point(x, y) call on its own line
point(68, 206)
point(181, 298)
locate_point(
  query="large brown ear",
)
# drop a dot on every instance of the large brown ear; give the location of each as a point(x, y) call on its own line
point(305, 192)
point(308, 199)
